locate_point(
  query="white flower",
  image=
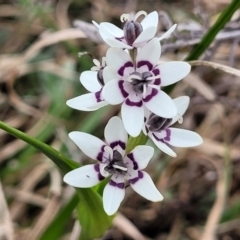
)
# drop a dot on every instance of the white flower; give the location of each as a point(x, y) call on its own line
point(138, 85)
point(93, 81)
point(113, 162)
point(159, 130)
point(134, 34)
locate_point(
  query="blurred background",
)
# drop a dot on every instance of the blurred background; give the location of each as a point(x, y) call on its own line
point(40, 42)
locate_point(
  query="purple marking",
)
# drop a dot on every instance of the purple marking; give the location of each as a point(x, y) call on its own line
point(131, 157)
point(118, 143)
point(120, 38)
point(134, 180)
point(97, 169)
point(151, 95)
point(158, 139)
point(142, 63)
point(156, 72)
point(100, 154)
point(122, 69)
point(124, 93)
point(100, 177)
point(118, 185)
point(133, 104)
point(168, 137)
point(98, 95)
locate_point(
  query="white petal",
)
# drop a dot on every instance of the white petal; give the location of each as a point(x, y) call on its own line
point(181, 104)
point(97, 106)
point(115, 134)
point(90, 145)
point(109, 28)
point(149, 53)
point(142, 155)
point(145, 187)
point(119, 61)
point(172, 72)
point(109, 75)
point(86, 102)
point(113, 42)
point(113, 196)
point(89, 81)
point(168, 33)
point(162, 105)
point(150, 20)
point(114, 92)
point(184, 138)
point(163, 146)
point(145, 36)
point(82, 177)
point(133, 118)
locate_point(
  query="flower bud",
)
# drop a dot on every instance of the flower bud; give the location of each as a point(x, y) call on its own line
point(132, 30)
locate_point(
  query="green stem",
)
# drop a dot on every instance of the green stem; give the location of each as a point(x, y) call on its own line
point(63, 162)
point(213, 31)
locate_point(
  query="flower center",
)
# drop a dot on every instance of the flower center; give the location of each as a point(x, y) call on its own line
point(116, 164)
point(140, 81)
point(157, 123)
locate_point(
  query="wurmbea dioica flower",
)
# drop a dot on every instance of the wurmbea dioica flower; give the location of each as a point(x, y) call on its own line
point(159, 130)
point(137, 83)
point(134, 34)
point(113, 162)
point(93, 81)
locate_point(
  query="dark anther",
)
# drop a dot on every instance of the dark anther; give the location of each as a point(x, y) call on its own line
point(139, 81)
point(157, 123)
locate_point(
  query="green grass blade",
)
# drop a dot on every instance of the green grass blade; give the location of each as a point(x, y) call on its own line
point(55, 228)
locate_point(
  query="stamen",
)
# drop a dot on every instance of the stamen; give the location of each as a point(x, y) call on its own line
point(139, 14)
point(96, 62)
point(120, 167)
point(109, 150)
point(124, 17)
point(153, 77)
point(144, 91)
point(180, 120)
point(103, 171)
point(94, 68)
point(104, 61)
point(154, 86)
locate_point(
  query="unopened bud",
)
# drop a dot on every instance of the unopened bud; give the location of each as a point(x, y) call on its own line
point(132, 30)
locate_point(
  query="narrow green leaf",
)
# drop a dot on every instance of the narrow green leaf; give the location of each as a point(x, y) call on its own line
point(93, 219)
point(63, 162)
point(55, 228)
point(213, 31)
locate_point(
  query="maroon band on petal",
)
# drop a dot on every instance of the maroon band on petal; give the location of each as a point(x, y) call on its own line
point(147, 63)
point(131, 157)
point(156, 72)
point(118, 185)
point(120, 85)
point(151, 95)
point(134, 180)
point(134, 104)
point(118, 143)
point(98, 96)
point(97, 169)
point(122, 69)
